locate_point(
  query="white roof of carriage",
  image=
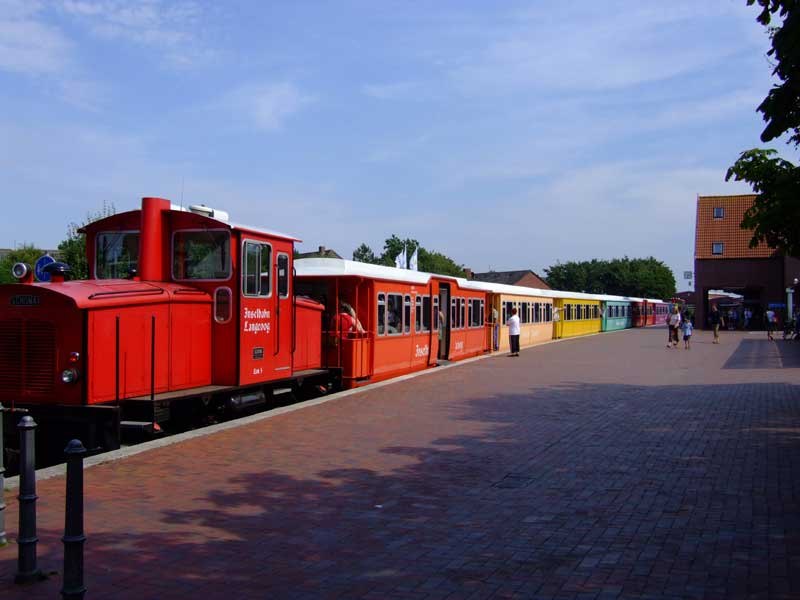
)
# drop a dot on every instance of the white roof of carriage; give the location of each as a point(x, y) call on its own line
point(337, 267)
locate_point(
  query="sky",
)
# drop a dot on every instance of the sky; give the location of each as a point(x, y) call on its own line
point(507, 135)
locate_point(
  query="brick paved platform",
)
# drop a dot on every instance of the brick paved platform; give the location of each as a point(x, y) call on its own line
point(603, 467)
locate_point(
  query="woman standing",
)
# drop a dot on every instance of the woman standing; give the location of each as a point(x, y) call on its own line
point(674, 324)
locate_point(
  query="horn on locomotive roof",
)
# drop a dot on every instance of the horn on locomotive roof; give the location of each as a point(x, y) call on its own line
point(207, 211)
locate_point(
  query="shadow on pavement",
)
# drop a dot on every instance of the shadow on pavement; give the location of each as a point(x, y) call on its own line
point(571, 491)
point(764, 354)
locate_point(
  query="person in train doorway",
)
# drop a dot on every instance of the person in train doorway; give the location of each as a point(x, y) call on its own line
point(347, 321)
point(674, 324)
point(513, 332)
point(715, 320)
point(495, 329)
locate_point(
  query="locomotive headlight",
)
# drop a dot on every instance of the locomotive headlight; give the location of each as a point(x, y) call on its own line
point(20, 270)
point(69, 375)
point(74, 357)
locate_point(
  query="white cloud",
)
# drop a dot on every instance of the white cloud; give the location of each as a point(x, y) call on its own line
point(27, 45)
point(266, 105)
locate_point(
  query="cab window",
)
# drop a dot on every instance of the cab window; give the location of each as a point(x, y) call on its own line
point(203, 255)
point(256, 269)
point(116, 254)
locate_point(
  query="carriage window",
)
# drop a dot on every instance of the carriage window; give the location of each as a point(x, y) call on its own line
point(483, 314)
point(469, 313)
point(116, 254)
point(381, 314)
point(394, 314)
point(548, 312)
point(283, 275)
point(255, 274)
point(436, 313)
point(201, 255)
point(475, 312)
point(418, 314)
point(454, 313)
point(462, 312)
point(407, 315)
point(568, 312)
point(426, 312)
point(222, 305)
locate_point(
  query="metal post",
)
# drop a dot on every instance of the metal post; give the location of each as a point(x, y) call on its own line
point(74, 537)
point(27, 570)
point(789, 304)
point(3, 540)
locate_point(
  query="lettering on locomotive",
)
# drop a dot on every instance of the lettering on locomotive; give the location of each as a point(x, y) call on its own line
point(259, 323)
point(25, 300)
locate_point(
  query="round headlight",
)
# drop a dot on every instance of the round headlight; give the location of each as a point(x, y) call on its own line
point(69, 375)
point(20, 270)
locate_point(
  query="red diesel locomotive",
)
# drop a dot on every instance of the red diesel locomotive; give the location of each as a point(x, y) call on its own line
point(182, 312)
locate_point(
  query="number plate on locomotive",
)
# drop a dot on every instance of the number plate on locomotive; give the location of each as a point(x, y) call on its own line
point(25, 300)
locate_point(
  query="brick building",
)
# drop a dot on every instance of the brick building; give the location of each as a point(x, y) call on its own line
point(526, 278)
point(723, 260)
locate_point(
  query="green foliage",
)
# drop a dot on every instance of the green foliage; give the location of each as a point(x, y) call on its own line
point(364, 254)
point(638, 277)
point(427, 260)
point(72, 250)
point(781, 107)
point(773, 218)
point(27, 254)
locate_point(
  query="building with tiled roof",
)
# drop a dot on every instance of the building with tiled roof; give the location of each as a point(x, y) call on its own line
point(724, 260)
point(322, 252)
point(525, 278)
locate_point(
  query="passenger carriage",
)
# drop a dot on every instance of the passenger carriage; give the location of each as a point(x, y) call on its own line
point(534, 307)
point(410, 320)
point(576, 314)
point(617, 313)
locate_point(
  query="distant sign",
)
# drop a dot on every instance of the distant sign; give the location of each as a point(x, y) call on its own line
point(41, 263)
point(687, 274)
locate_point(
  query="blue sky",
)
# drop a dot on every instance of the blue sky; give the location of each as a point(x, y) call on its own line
point(507, 135)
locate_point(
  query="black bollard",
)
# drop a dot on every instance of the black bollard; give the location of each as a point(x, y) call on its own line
point(3, 540)
point(27, 570)
point(74, 537)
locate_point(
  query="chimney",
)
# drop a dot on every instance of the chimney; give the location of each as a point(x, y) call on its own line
point(322, 250)
point(468, 273)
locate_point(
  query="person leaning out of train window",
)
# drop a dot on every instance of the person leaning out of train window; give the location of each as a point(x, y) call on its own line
point(513, 332)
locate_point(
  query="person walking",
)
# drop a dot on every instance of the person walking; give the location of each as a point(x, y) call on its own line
point(513, 332)
point(771, 319)
point(715, 320)
point(674, 324)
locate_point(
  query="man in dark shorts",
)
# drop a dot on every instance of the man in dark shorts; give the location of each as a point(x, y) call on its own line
point(715, 320)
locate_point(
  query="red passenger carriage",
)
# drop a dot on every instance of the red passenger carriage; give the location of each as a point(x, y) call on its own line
point(410, 320)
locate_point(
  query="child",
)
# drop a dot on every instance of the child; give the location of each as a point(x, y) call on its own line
point(687, 333)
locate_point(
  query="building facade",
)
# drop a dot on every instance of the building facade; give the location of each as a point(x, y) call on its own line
point(723, 260)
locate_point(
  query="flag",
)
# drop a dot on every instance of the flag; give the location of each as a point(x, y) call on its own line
point(400, 260)
point(412, 264)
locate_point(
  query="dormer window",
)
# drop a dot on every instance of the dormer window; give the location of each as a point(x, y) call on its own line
point(717, 248)
point(719, 212)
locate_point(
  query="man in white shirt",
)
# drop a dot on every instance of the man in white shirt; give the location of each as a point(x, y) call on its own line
point(513, 332)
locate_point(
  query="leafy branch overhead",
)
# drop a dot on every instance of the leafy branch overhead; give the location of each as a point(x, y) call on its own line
point(774, 217)
point(429, 261)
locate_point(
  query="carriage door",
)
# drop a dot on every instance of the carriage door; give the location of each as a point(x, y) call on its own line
point(444, 321)
point(283, 351)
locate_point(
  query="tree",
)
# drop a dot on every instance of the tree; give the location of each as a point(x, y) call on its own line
point(773, 218)
point(364, 254)
point(637, 277)
point(26, 254)
point(72, 250)
point(428, 261)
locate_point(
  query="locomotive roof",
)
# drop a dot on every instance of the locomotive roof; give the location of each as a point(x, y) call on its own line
point(336, 267)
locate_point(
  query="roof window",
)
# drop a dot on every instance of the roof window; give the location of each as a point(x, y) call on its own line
point(717, 248)
point(719, 212)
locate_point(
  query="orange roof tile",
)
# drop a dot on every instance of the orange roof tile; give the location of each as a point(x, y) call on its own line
point(725, 230)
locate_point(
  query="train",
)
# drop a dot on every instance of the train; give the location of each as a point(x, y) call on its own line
point(186, 316)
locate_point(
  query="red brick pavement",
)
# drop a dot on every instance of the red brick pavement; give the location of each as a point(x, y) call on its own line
point(604, 467)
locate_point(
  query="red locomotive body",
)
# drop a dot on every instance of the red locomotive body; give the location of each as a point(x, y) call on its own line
point(181, 311)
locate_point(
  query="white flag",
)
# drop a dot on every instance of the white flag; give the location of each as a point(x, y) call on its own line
point(400, 260)
point(413, 262)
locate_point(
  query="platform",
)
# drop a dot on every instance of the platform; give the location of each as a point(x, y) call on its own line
point(599, 467)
